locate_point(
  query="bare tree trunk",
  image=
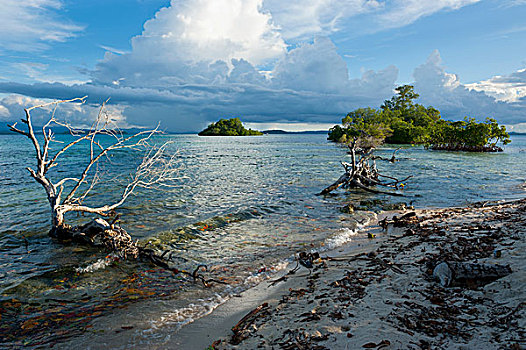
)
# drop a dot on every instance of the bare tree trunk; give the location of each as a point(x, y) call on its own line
point(156, 170)
point(361, 174)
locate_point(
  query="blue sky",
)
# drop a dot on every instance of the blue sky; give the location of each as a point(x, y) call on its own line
point(289, 64)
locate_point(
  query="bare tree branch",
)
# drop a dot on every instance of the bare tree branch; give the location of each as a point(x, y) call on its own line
point(156, 170)
point(360, 173)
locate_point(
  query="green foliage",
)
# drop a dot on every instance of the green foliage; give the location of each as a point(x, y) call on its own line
point(403, 101)
point(468, 134)
point(228, 127)
point(401, 121)
point(363, 123)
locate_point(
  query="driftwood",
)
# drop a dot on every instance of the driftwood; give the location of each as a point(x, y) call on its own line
point(100, 233)
point(407, 219)
point(451, 273)
point(242, 329)
point(391, 160)
point(362, 173)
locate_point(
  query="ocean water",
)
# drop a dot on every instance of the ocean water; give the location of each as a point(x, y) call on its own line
point(244, 206)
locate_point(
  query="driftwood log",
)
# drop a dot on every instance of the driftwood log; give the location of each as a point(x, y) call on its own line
point(362, 173)
point(458, 273)
point(242, 329)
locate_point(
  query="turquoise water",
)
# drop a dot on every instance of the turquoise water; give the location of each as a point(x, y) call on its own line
point(243, 205)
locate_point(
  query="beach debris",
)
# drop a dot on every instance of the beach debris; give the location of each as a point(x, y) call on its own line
point(351, 286)
point(381, 345)
point(407, 219)
point(242, 329)
point(163, 260)
point(449, 272)
point(302, 340)
point(99, 233)
point(348, 209)
point(417, 312)
point(305, 259)
point(302, 259)
point(362, 173)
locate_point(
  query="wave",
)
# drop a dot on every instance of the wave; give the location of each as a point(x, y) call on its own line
point(188, 314)
point(345, 234)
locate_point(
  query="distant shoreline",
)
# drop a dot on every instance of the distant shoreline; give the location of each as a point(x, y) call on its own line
point(265, 132)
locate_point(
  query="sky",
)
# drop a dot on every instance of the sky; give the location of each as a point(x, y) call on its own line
point(294, 64)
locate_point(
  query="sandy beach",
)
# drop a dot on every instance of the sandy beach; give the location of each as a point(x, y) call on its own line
point(382, 295)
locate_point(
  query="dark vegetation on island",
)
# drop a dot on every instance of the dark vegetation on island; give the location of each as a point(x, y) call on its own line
point(401, 121)
point(228, 127)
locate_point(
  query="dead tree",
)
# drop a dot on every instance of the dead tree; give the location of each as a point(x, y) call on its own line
point(362, 173)
point(156, 170)
point(393, 158)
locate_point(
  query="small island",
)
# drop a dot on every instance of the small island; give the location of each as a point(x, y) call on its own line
point(401, 121)
point(228, 127)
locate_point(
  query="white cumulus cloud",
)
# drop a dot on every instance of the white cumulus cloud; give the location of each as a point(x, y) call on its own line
point(195, 41)
point(199, 60)
point(509, 88)
point(312, 67)
point(455, 100)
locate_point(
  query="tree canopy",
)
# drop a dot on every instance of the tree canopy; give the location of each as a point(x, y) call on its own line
point(401, 121)
point(228, 127)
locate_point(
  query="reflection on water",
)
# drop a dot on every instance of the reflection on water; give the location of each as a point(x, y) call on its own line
point(245, 205)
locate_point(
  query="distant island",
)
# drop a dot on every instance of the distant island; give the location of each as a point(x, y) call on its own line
point(228, 127)
point(283, 132)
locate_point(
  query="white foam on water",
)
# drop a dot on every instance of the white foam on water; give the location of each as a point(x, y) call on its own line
point(202, 307)
point(190, 313)
point(98, 265)
point(345, 235)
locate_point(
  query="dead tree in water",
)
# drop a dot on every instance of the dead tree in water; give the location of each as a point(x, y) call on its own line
point(362, 173)
point(156, 170)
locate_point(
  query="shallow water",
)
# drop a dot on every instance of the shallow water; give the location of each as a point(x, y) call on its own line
point(244, 206)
